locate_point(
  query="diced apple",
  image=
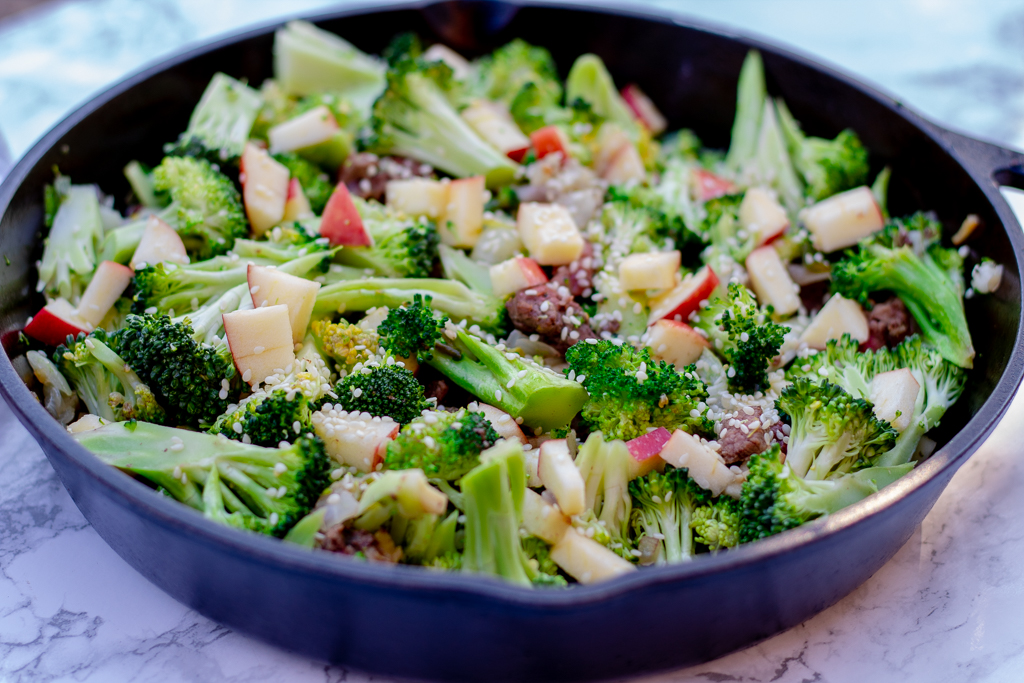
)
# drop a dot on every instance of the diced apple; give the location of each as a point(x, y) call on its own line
point(418, 197)
point(264, 188)
point(519, 272)
point(106, 287)
point(844, 219)
point(503, 423)
point(625, 166)
point(706, 185)
point(770, 280)
point(644, 451)
point(894, 394)
point(611, 140)
point(341, 222)
point(685, 298)
point(54, 322)
point(837, 317)
point(296, 206)
point(549, 233)
point(676, 342)
point(548, 140)
point(761, 215)
point(542, 519)
point(260, 340)
point(305, 130)
point(653, 270)
point(159, 243)
point(705, 467)
point(442, 53)
point(586, 560)
point(560, 476)
point(463, 218)
point(495, 125)
point(271, 287)
point(354, 439)
point(644, 109)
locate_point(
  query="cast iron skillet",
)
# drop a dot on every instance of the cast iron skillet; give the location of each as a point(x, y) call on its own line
point(410, 622)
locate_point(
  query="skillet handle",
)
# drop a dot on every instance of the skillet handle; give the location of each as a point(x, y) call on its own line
point(999, 165)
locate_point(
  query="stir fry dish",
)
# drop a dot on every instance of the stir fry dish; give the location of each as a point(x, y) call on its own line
point(471, 316)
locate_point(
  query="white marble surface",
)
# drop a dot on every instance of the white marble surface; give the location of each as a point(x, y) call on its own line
point(945, 609)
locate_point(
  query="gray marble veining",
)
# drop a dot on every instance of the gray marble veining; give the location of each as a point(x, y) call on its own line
point(945, 609)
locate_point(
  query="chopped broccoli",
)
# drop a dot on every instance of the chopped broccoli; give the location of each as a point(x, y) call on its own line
point(343, 342)
point(927, 282)
point(774, 498)
point(411, 330)
point(831, 432)
point(717, 525)
point(538, 553)
point(205, 209)
point(315, 183)
point(266, 490)
point(452, 298)
point(109, 388)
point(443, 445)
point(140, 178)
point(414, 118)
point(194, 382)
point(220, 123)
point(744, 335)
point(267, 419)
point(402, 247)
point(606, 469)
point(69, 257)
point(503, 73)
point(382, 390)
point(664, 505)
point(506, 380)
point(827, 166)
point(493, 495)
point(751, 93)
point(589, 80)
point(631, 393)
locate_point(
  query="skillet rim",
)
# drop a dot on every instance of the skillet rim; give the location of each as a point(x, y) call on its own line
point(264, 550)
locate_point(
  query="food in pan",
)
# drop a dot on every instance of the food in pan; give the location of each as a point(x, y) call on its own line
point(470, 316)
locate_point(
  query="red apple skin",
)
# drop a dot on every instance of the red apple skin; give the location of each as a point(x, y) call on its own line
point(644, 109)
point(548, 140)
point(341, 222)
point(517, 155)
point(50, 328)
point(533, 273)
point(648, 445)
point(697, 290)
point(710, 186)
point(294, 187)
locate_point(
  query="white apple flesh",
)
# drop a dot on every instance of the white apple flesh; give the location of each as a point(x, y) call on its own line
point(305, 130)
point(559, 475)
point(586, 560)
point(106, 287)
point(542, 519)
point(495, 125)
point(770, 280)
point(418, 197)
point(296, 206)
point(519, 272)
point(705, 467)
point(761, 215)
point(549, 233)
point(354, 439)
point(503, 423)
point(260, 340)
point(685, 298)
point(270, 287)
point(463, 218)
point(264, 188)
point(653, 270)
point(844, 219)
point(676, 342)
point(894, 394)
point(159, 243)
point(837, 317)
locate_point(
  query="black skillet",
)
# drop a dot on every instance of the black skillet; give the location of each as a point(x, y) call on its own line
point(410, 622)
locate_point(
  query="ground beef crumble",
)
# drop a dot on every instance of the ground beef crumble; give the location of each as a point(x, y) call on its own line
point(366, 175)
point(889, 323)
point(376, 547)
point(550, 312)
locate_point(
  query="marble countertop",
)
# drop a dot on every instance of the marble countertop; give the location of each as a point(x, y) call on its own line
point(945, 609)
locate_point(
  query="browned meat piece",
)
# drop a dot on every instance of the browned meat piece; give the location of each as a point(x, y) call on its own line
point(889, 323)
point(377, 547)
point(738, 445)
point(550, 311)
point(367, 175)
point(578, 276)
point(436, 388)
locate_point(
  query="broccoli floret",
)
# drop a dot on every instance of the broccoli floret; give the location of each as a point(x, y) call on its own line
point(630, 229)
point(414, 118)
point(521, 388)
point(589, 80)
point(266, 490)
point(297, 252)
point(69, 256)
point(452, 298)
point(927, 282)
point(411, 330)
point(204, 208)
point(109, 388)
point(744, 335)
point(382, 390)
point(343, 342)
point(720, 227)
point(631, 393)
point(267, 419)
point(832, 363)
point(774, 498)
point(717, 525)
point(502, 74)
point(663, 507)
point(443, 445)
point(831, 432)
point(315, 183)
point(220, 123)
point(194, 382)
point(531, 109)
point(171, 288)
point(402, 247)
point(827, 166)
point(493, 496)
point(605, 468)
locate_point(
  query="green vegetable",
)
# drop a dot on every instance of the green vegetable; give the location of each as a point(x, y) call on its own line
point(382, 390)
point(402, 247)
point(664, 505)
point(827, 166)
point(267, 419)
point(220, 123)
point(501, 75)
point(69, 257)
point(443, 445)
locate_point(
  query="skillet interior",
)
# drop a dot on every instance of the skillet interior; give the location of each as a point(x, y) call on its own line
point(332, 609)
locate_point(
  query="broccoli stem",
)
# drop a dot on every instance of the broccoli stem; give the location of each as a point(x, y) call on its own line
point(750, 99)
